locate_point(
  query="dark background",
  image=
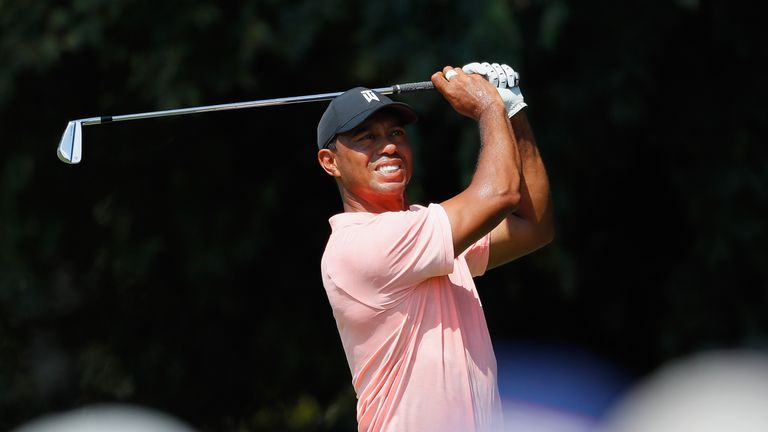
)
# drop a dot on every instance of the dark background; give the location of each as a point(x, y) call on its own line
point(177, 266)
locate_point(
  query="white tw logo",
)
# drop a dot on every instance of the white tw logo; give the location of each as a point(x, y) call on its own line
point(369, 95)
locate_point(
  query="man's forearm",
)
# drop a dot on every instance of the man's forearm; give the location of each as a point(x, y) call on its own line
point(499, 165)
point(496, 183)
point(535, 204)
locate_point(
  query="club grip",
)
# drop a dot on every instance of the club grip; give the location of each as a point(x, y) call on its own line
point(413, 87)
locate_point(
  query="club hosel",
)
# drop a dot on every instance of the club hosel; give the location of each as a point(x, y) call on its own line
point(95, 120)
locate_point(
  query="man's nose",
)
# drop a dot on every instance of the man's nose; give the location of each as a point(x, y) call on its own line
point(389, 148)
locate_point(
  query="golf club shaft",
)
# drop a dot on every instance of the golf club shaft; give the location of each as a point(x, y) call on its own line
point(395, 89)
point(70, 148)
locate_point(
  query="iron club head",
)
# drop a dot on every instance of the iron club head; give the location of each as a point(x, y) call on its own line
point(71, 145)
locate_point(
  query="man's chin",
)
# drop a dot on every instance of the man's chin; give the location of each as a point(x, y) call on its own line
point(391, 188)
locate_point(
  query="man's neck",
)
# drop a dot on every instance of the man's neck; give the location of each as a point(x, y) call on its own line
point(352, 205)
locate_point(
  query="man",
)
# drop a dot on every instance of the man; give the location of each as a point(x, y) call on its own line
point(399, 276)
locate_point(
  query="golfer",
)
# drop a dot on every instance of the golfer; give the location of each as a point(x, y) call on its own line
point(399, 276)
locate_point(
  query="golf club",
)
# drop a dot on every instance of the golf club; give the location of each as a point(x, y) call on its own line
point(71, 146)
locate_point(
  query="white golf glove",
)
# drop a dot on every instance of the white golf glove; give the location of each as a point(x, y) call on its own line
point(505, 79)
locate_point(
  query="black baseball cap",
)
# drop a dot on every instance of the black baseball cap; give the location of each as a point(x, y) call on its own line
point(349, 109)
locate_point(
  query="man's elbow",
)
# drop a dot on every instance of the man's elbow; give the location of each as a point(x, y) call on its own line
point(546, 233)
point(503, 200)
point(510, 198)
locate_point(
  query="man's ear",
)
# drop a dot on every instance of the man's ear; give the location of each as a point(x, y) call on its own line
point(327, 159)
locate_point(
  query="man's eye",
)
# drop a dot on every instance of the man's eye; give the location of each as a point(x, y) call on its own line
point(398, 132)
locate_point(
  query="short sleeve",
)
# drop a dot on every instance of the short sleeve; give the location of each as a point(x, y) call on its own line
point(379, 260)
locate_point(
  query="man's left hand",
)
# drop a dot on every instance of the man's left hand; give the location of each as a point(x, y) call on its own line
point(506, 81)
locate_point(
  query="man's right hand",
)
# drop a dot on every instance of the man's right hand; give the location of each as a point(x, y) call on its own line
point(470, 94)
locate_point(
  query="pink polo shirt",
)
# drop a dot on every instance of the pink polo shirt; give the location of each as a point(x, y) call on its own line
point(411, 322)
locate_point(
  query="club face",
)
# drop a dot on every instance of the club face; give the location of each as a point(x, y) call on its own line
point(71, 145)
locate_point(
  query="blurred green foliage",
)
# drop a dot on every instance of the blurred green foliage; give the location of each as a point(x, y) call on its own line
point(178, 265)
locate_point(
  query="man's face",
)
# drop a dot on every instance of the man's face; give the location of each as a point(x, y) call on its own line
point(373, 162)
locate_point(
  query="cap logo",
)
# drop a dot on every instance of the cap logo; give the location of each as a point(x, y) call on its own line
point(369, 96)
